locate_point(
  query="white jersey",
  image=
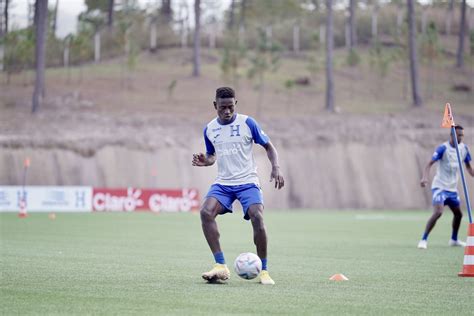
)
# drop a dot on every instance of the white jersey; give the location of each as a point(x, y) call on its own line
point(232, 144)
point(447, 174)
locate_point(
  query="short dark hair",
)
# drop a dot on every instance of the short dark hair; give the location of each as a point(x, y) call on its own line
point(225, 92)
point(457, 126)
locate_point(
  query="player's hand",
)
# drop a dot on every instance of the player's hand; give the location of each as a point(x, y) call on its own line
point(423, 182)
point(276, 174)
point(199, 160)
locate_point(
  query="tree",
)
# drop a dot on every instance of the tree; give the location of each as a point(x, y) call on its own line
point(127, 30)
point(266, 57)
point(3, 31)
point(233, 55)
point(166, 12)
point(110, 13)
point(449, 16)
point(101, 5)
point(243, 10)
point(41, 15)
point(19, 51)
point(95, 18)
point(329, 57)
point(231, 22)
point(430, 50)
point(197, 39)
point(413, 55)
point(462, 35)
point(352, 24)
point(270, 12)
point(380, 61)
point(5, 16)
point(54, 19)
point(375, 20)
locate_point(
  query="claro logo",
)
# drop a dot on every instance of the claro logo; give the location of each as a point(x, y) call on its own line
point(166, 203)
point(132, 199)
point(108, 202)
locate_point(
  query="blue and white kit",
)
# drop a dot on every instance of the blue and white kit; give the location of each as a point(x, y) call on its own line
point(236, 168)
point(444, 185)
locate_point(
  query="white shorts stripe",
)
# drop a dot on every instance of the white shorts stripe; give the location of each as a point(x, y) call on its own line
point(468, 260)
point(470, 241)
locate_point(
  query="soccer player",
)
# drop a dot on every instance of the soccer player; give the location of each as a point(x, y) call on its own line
point(444, 185)
point(229, 139)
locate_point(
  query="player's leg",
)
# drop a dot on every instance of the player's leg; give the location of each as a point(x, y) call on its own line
point(438, 198)
point(437, 212)
point(209, 211)
point(457, 217)
point(251, 198)
point(255, 212)
point(218, 201)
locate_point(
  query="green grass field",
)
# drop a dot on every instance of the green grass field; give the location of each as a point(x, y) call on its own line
point(143, 263)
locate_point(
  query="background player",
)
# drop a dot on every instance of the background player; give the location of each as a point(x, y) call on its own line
point(444, 185)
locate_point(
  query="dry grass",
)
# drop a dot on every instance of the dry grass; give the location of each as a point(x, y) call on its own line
point(358, 89)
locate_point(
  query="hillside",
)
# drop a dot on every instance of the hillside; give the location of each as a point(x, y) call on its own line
point(103, 126)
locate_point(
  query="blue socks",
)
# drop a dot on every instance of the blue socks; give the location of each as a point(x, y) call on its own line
point(219, 257)
point(264, 264)
point(454, 236)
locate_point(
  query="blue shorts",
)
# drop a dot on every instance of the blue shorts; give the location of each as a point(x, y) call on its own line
point(247, 194)
point(445, 197)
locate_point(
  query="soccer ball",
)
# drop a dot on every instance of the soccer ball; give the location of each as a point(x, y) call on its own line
point(247, 265)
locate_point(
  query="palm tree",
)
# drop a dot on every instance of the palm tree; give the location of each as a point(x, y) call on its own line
point(41, 16)
point(412, 51)
point(462, 34)
point(329, 57)
point(197, 39)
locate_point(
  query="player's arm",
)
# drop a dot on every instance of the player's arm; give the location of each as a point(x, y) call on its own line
point(276, 173)
point(259, 137)
point(203, 160)
point(469, 168)
point(207, 159)
point(426, 173)
point(467, 162)
point(437, 155)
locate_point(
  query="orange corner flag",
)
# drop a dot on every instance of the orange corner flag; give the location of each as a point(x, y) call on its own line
point(448, 119)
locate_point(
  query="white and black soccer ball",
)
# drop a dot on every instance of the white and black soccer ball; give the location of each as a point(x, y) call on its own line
point(247, 265)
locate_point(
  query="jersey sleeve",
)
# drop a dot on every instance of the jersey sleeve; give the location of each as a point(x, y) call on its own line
point(468, 155)
point(258, 135)
point(210, 150)
point(438, 154)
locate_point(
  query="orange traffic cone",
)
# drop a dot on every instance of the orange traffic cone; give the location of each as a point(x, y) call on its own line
point(338, 277)
point(22, 213)
point(468, 268)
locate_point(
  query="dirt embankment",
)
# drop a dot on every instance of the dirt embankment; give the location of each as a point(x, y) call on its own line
point(329, 161)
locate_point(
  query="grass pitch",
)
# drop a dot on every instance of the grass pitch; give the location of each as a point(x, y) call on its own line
point(143, 263)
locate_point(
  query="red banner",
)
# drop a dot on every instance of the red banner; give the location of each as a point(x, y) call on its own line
point(135, 199)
